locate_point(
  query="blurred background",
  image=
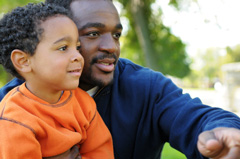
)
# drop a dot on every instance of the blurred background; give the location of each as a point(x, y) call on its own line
point(194, 42)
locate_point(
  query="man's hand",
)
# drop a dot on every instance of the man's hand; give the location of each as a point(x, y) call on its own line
point(73, 153)
point(220, 143)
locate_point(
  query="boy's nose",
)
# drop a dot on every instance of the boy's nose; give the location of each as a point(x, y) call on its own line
point(77, 57)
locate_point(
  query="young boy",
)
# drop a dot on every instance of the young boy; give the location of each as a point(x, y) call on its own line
point(47, 115)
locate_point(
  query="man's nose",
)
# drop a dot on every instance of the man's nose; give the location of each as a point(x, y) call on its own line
point(108, 44)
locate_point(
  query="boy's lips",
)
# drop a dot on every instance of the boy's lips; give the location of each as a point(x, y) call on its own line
point(75, 72)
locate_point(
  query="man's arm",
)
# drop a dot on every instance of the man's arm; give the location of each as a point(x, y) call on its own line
point(9, 86)
point(184, 118)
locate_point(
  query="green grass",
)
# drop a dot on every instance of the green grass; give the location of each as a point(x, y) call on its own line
point(170, 153)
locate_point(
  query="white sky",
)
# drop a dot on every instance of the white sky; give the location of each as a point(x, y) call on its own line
point(210, 23)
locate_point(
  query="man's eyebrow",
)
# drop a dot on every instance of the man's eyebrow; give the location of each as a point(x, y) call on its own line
point(98, 25)
point(95, 25)
point(119, 26)
point(62, 39)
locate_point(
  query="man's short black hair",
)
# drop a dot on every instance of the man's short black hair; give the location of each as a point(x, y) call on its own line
point(20, 29)
point(62, 3)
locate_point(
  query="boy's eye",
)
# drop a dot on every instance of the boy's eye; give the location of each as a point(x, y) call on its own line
point(63, 48)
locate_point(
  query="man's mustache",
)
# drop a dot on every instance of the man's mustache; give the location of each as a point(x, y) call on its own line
point(105, 56)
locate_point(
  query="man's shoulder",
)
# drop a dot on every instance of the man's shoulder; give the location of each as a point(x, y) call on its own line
point(123, 63)
point(127, 67)
point(9, 86)
point(129, 74)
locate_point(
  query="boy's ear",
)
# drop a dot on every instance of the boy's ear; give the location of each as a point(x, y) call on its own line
point(20, 60)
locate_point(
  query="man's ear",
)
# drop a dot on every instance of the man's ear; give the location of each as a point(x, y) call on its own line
point(20, 60)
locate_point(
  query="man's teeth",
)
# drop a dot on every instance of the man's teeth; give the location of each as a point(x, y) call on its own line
point(104, 63)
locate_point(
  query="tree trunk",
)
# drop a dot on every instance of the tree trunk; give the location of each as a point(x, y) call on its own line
point(143, 33)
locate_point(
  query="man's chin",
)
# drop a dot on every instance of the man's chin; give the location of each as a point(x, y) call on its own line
point(102, 82)
point(93, 81)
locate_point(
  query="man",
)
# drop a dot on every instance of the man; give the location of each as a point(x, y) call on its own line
point(143, 109)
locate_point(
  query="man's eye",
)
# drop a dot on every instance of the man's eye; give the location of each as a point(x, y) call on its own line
point(117, 35)
point(63, 48)
point(93, 34)
point(78, 47)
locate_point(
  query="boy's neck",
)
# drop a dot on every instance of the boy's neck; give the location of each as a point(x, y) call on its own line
point(48, 96)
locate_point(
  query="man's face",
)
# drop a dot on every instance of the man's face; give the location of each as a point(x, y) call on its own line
point(99, 30)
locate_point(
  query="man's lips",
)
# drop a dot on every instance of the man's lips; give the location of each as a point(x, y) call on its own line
point(105, 65)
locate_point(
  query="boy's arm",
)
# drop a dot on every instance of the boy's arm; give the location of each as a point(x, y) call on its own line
point(18, 141)
point(99, 141)
point(9, 86)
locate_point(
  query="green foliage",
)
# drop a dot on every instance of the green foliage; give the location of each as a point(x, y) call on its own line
point(132, 50)
point(7, 5)
point(172, 57)
point(170, 153)
point(174, 3)
point(168, 51)
point(210, 63)
point(3, 76)
point(233, 54)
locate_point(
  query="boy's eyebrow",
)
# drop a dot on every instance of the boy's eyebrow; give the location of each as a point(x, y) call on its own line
point(98, 25)
point(62, 39)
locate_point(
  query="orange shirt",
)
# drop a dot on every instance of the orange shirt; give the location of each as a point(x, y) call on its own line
point(33, 128)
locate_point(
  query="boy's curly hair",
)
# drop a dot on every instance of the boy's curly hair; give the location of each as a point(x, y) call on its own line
point(21, 29)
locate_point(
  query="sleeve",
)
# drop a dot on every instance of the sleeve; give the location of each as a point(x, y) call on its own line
point(18, 141)
point(10, 85)
point(99, 141)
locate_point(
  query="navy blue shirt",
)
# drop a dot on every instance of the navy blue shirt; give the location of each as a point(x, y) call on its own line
point(143, 109)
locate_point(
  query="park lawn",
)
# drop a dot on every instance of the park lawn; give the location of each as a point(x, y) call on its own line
point(170, 153)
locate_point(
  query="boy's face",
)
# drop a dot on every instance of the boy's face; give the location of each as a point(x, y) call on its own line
point(99, 29)
point(57, 64)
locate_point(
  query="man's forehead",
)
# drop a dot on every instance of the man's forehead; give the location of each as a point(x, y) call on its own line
point(91, 0)
point(92, 5)
point(87, 8)
point(95, 13)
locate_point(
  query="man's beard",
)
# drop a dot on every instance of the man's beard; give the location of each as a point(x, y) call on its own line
point(90, 80)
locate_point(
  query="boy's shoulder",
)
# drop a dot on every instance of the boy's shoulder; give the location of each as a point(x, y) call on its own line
point(86, 102)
